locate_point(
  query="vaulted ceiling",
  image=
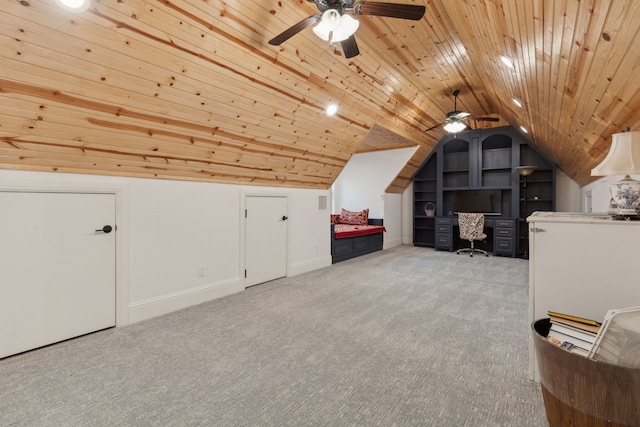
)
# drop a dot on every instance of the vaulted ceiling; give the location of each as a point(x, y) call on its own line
point(190, 89)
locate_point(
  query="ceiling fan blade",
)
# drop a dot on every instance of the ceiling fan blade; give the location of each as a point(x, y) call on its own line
point(486, 119)
point(391, 10)
point(434, 127)
point(350, 47)
point(287, 34)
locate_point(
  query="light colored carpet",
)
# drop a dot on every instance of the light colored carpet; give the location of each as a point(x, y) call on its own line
point(404, 337)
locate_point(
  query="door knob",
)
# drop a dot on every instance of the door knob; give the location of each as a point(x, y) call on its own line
point(284, 217)
point(105, 229)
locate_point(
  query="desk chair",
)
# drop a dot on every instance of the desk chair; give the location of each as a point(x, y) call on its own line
point(471, 229)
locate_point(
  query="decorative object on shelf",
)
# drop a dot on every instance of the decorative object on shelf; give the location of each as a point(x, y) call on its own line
point(524, 172)
point(429, 209)
point(623, 159)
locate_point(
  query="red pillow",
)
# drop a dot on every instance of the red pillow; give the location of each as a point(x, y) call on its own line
point(356, 218)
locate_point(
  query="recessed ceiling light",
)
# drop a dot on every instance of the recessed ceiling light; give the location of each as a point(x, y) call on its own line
point(506, 61)
point(517, 102)
point(524, 129)
point(76, 6)
point(331, 109)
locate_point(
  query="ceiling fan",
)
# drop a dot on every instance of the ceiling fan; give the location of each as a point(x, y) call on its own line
point(336, 25)
point(454, 120)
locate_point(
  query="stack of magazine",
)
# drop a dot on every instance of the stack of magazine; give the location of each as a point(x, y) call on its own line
point(618, 341)
point(573, 333)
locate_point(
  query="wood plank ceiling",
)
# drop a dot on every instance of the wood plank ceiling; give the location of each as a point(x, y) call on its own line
point(190, 89)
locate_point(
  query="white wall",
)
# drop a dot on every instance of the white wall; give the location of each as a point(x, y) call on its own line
point(363, 181)
point(172, 227)
point(407, 215)
point(362, 184)
point(392, 220)
point(567, 193)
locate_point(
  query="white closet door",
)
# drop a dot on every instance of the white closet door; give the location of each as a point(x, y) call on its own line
point(57, 267)
point(265, 239)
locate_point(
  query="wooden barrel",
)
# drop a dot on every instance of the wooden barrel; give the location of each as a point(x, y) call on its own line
point(581, 392)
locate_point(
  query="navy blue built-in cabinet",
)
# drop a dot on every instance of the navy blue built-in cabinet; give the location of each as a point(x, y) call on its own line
point(475, 171)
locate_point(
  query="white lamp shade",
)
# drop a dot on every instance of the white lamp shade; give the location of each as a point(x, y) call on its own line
point(328, 24)
point(347, 27)
point(335, 28)
point(623, 157)
point(455, 126)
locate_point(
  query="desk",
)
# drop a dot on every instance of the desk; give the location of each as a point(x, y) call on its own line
point(501, 235)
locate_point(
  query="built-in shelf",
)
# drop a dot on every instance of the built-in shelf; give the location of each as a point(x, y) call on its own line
point(484, 159)
point(425, 191)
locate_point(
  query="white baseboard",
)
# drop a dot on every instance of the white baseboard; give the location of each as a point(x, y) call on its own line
point(309, 265)
point(388, 244)
point(164, 304)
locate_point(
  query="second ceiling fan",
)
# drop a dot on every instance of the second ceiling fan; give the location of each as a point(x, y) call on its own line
point(454, 120)
point(336, 25)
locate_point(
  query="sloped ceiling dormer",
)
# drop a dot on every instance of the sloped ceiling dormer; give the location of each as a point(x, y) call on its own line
point(192, 90)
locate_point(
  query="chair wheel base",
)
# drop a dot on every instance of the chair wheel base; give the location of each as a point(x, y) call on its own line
point(471, 251)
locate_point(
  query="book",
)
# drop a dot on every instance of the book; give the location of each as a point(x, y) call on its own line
point(555, 337)
point(578, 350)
point(574, 332)
point(573, 318)
point(587, 327)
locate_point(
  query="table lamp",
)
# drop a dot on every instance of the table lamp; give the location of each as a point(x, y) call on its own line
point(623, 159)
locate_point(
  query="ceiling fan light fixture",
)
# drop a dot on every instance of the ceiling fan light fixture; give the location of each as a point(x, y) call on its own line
point(346, 29)
point(328, 24)
point(335, 28)
point(455, 126)
point(75, 6)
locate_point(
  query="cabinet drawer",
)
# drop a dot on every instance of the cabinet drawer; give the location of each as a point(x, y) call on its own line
point(443, 229)
point(503, 246)
point(509, 223)
point(375, 239)
point(503, 232)
point(360, 243)
point(443, 241)
point(341, 247)
point(443, 221)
